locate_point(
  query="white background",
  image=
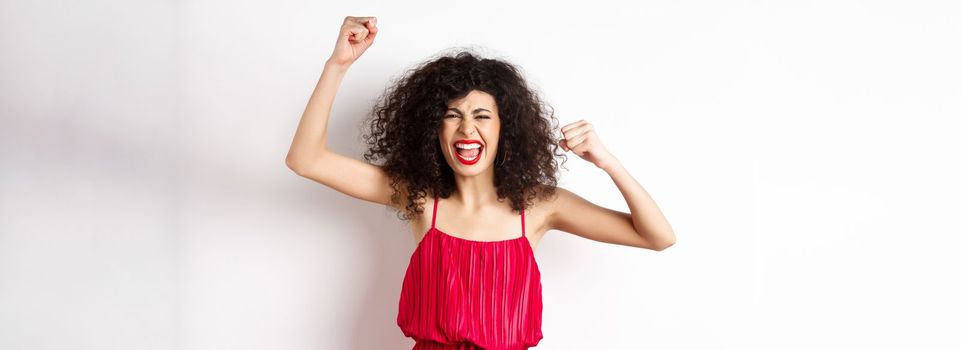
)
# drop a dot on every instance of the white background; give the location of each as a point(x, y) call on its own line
point(806, 154)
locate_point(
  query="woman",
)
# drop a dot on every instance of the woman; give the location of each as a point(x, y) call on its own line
point(468, 133)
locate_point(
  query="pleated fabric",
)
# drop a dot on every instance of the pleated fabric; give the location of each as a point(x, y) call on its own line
point(465, 294)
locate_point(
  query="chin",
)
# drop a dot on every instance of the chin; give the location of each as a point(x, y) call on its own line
point(474, 170)
point(469, 170)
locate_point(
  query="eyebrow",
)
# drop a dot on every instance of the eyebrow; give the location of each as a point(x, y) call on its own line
point(476, 110)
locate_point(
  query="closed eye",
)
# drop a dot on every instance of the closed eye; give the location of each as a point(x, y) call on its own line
point(457, 116)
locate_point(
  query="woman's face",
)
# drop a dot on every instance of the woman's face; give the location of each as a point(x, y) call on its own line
point(473, 117)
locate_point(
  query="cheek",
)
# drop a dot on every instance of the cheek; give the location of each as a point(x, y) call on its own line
point(444, 136)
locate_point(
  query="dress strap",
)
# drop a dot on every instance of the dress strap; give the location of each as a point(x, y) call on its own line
point(523, 234)
point(433, 218)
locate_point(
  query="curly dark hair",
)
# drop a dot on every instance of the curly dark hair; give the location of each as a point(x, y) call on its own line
point(404, 124)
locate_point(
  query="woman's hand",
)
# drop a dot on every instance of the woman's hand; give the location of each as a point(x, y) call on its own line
point(580, 137)
point(356, 35)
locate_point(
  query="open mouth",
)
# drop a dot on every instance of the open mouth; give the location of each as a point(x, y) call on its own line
point(468, 152)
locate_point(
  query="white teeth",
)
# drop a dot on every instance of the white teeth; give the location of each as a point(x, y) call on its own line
point(467, 145)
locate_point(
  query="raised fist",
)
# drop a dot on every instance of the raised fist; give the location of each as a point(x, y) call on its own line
point(356, 35)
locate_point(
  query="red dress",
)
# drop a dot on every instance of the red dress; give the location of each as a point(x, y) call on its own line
point(465, 294)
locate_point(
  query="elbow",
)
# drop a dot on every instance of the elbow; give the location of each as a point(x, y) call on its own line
point(292, 164)
point(666, 243)
point(663, 246)
point(299, 161)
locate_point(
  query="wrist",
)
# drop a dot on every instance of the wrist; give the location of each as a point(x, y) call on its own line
point(331, 64)
point(610, 165)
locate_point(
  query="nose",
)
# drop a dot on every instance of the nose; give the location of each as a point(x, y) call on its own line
point(467, 129)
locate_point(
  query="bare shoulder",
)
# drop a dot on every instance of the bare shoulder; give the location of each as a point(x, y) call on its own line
point(540, 214)
point(551, 205)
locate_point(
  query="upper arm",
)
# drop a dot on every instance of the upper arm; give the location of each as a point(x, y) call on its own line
point(349, 176)
point(576, 215)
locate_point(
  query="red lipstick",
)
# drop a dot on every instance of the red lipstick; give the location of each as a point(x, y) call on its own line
point(466, 161)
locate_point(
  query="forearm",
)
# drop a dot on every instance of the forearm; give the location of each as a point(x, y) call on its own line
point(648, 220)
point(311, 136)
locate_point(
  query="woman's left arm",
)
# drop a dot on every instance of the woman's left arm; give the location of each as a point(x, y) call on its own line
point(574, 214)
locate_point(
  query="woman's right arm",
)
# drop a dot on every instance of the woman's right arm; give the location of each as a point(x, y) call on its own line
point(309, 155)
